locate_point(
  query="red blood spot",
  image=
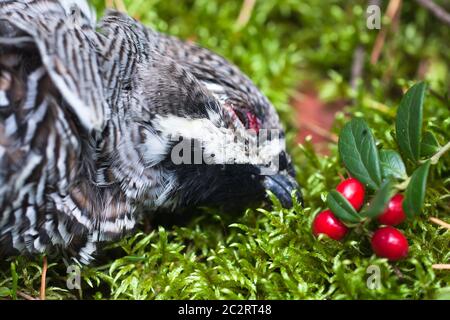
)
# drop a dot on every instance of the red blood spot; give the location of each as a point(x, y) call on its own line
point(253, 122)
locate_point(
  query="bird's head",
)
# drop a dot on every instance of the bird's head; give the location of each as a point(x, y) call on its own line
point(214, 164)
point(207, 151)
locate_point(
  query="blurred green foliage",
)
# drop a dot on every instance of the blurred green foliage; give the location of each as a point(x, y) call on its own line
point(271, 254)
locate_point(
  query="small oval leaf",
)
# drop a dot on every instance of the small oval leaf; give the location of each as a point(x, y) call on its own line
point(415, 192)
point(359, 153)
point(429, 145)
point(15, 280)
point(341, 207)
point(380, 201)
point(408, 125)
point(5, 292)
point(392, 164)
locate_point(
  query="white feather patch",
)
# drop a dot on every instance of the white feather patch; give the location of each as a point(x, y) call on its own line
point(221, 145)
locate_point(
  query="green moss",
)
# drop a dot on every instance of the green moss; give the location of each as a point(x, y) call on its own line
point(271, 254)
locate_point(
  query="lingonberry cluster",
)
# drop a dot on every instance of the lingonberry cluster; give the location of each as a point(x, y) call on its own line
point(395, 190)
point(387, 241)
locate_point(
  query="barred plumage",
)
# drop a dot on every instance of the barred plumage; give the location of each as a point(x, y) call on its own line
point(88, 112)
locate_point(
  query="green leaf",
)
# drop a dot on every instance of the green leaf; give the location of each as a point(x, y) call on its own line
point(276, 204)
point(15, 279)
point(359, 153)
point(342, 208)
point(4, 292)
point(415, 192)
point(429, 145)
point(408, 124)
point(392, 164)
point(380, 200)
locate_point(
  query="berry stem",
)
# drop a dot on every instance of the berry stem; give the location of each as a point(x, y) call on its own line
point(434, 159)
point(398, 272)
point(403, 185)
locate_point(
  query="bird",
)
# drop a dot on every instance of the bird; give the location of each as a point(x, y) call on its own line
point(103, 121)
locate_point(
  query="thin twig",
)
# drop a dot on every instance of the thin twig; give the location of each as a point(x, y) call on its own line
point(437, 95)
point(440, 222)
point(398, 272)
point(391, 12)
point(379, 106)
point(434, 159)
point(435, 9)
point(441, 266)
point(43, 278)
point(245, 13)
point(321, 131)
point(423, 68)
point(25, 296)
point(298, 96)
point(120, 6)
point(357, 66)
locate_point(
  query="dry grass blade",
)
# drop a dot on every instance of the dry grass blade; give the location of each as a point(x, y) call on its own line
point(438, 12)
point(26, 296)
point(43, 278)
point(118, 4)
point(441, 266)
point(246, 13)
point(392, 13)
point(440, 222)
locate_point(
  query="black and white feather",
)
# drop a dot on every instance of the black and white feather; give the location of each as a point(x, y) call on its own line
point(90, 115)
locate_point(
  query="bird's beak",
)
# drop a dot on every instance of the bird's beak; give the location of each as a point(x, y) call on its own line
point(282, 186)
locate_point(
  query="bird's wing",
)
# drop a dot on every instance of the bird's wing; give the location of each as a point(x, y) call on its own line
point(67, 53)
point(50, 98)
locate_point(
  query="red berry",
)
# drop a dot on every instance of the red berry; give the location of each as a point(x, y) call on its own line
point(353, 191)
point(327, 223)
point(388, 242)
point(393, 214)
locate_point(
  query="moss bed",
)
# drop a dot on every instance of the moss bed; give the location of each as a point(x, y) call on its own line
point(270, 253)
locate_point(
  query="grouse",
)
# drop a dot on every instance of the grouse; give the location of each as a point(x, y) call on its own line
point(104, 121)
